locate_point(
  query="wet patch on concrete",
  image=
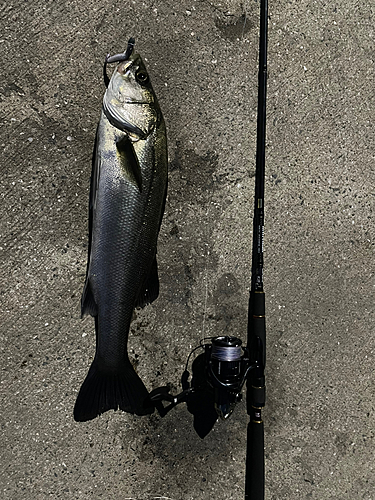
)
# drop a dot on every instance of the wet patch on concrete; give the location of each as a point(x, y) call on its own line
point(233, 27)
point(196, 180)
point(188, 246)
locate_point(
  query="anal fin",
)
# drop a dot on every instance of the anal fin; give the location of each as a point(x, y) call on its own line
point(88, 304)
point(150, 289)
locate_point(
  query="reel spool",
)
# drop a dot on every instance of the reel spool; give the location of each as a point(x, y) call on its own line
point(226, 366)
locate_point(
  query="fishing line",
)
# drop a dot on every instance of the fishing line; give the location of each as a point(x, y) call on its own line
point(207, 253)
point(226, 353)
point(205, 300)
point(244, 23)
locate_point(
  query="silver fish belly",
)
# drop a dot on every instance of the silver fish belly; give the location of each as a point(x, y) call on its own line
point(128, 189)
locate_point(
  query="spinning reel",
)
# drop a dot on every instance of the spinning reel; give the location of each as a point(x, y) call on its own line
point(226, 368)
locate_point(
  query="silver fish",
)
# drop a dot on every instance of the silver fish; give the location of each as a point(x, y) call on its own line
point(127, 199)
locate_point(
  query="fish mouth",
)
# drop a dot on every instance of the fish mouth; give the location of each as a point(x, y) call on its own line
point(133, 101)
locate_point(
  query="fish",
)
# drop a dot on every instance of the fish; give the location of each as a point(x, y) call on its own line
point(127, 201)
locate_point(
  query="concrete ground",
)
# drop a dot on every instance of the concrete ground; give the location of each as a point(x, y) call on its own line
point(319, 245)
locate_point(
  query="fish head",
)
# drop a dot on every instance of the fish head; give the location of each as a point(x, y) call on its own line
point(129, 102)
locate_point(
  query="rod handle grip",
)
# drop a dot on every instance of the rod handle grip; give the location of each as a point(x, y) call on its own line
point(254, 485)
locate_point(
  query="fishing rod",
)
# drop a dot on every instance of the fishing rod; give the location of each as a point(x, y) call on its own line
point(220, 373)
point(256, 331)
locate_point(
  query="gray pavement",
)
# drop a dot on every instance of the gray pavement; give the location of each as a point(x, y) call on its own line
point(319, 245)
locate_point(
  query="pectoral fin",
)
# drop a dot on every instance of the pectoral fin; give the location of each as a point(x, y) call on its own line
point(129, 161)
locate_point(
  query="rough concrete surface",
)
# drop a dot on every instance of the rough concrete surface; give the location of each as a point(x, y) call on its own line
point(319, 245)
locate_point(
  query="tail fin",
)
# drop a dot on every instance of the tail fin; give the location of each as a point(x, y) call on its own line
point(105, 390)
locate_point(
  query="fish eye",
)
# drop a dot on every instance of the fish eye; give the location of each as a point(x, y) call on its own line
point(141, 76)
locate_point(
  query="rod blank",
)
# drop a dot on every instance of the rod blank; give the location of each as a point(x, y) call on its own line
point(256, 333)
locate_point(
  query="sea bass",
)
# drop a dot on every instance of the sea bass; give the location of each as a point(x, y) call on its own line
point(127, 199)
